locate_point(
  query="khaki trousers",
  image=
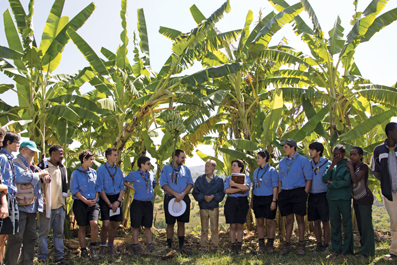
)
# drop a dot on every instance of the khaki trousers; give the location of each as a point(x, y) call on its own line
point(391, 208)
point(213, 216)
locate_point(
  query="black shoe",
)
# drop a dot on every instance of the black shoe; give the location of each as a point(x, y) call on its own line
point(84, 254)
point(183, 250)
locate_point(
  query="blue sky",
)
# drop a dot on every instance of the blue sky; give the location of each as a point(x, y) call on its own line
point(376, 58)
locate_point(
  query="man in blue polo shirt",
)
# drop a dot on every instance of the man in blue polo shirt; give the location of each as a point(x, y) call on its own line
point(176, 181)
point(318, 210)
point(141, 209)
point(27, 173)
point(296, 177)
point(111, 182)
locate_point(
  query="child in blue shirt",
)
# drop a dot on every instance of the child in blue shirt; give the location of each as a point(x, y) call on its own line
point(85, 192)
point(141, 210)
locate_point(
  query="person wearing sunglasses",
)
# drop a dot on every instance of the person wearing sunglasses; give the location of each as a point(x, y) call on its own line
point(295, 180)
point(9, 214)
point(339, 194)
point(111, 184)
point(141, 209)
point(85, 192)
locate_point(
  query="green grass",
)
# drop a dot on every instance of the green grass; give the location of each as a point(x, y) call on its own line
point(225, 258)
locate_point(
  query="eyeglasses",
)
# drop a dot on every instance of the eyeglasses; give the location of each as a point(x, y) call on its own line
point(17, 142)
point(149, 164)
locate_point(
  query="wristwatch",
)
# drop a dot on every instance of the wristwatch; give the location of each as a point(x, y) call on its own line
point(119, 201)
point(182, 193)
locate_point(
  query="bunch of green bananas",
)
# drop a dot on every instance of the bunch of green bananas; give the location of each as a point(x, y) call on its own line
point(173, 123)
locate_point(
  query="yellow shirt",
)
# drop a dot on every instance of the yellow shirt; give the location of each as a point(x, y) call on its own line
point(57, 200)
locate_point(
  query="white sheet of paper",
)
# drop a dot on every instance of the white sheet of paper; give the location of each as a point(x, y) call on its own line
point(111, 213)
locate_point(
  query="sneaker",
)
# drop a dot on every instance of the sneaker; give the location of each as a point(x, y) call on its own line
point(136, 249)
point(103, 251)
point(262, 247)
point(300, 250)
point(269, 248)
point(84, 254)
point(286, 249)
point(113, 251)
point(149, 248)
point(93, 251)
point(183, 250)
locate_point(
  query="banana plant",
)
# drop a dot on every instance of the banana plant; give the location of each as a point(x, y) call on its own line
point(31, 66)
point(327, 91)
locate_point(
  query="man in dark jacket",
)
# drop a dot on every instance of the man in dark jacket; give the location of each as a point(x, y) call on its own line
point(384, 167)
point(208, 191)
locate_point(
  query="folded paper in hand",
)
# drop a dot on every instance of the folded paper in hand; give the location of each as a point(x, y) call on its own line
point(111, 213)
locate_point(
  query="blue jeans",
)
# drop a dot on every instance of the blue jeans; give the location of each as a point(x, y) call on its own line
point(56, 222)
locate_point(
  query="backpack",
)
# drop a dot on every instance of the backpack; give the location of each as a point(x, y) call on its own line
point(25, 192)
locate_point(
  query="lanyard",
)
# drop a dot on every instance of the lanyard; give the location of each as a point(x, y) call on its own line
point(288, 166)
point(110, 174)
point(317, 168)
point(14, 173)
point(146, 180)
point(174, 176)
point(258, 184)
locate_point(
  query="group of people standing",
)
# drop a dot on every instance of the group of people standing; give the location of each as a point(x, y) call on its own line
point(321, 188)
point(24, 193)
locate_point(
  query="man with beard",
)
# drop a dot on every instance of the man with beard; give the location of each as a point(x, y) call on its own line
point(176, 181)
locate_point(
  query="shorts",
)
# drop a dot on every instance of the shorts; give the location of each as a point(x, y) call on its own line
point(105, 210)
point(85, 214)
point(261, 207)
point(141, 214)
point(10, 225)
point(292, 201)
point(318, 207)
point(236, 210)
point(184, 218)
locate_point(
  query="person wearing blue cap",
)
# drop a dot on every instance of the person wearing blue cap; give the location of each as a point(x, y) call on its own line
point(20, 247)
point(9, 214)
point(296, 177)
point(85, 192)
point(111, 184)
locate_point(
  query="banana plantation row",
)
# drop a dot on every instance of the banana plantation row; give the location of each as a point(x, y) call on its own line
point(249, 96)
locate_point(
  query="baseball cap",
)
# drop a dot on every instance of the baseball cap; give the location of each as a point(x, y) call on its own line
point(290, 142)
point(31, 145)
